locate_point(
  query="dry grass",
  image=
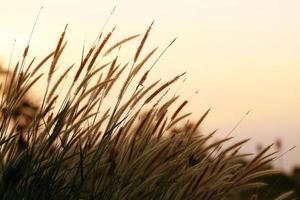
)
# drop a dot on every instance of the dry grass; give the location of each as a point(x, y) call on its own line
point(87, 151)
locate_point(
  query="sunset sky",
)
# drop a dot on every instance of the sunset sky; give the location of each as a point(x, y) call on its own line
point(239, 55)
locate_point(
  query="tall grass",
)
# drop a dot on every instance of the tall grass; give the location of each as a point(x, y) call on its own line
point(135, 149)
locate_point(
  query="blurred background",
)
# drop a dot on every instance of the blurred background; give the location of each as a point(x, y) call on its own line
point(238, 55)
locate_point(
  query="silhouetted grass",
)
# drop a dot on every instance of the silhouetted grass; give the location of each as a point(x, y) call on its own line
point(88, 151)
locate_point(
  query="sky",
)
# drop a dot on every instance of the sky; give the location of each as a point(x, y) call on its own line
point(238, 55)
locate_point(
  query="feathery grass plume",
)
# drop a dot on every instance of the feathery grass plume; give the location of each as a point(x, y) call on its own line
point(143, 93)
point(179, 109)
point(89, 76)
point(200, 120)
point(36, 69)
point(58, 50)
point(285, 196)
point(164, 86)
point(139, 49)
point(167, 105)
point(87, 148)
point(98, 50)
point(83, 63)
point(131, 73)
point(118, 44)
point(178, 120)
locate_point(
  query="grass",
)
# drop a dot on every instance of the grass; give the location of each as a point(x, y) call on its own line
point(135, 149)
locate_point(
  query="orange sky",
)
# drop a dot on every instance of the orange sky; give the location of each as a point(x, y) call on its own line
point(239, 55)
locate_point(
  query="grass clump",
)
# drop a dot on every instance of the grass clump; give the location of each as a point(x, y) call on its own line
point(135, 149)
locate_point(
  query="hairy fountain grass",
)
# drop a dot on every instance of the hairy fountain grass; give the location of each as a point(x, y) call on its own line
point(136, 149)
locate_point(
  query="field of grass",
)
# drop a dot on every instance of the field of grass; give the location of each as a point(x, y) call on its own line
point(140, 147)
